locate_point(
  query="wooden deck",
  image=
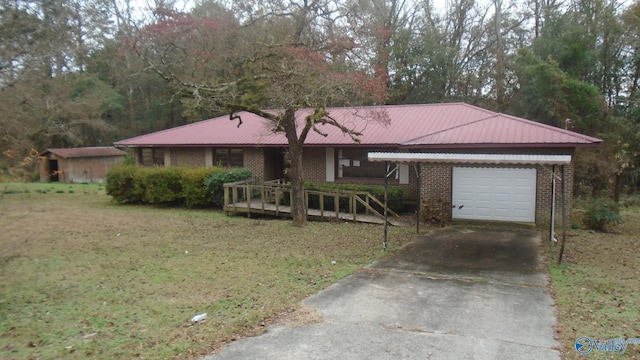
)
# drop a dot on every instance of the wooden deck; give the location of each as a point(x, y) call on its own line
point(267, 199)
point(256, 207)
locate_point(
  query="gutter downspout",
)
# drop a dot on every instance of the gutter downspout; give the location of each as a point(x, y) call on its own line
point(419, 197)
point(552, 233)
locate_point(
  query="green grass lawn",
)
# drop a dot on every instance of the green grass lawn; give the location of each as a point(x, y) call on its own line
point(597, 287)
point(83, 277)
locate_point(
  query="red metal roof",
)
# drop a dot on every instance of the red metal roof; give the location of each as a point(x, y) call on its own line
point(420, 126)
point(502, 130)
point(218, 131)
point(67, 153)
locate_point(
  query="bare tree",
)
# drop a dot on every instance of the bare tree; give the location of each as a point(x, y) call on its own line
point(277, 56)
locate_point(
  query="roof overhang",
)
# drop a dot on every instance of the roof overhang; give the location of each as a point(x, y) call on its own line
point(84, 152)
point(451, 158)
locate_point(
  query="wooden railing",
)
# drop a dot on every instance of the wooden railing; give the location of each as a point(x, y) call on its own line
point(274, 197)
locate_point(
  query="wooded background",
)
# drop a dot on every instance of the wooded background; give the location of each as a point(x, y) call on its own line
point(89, 72)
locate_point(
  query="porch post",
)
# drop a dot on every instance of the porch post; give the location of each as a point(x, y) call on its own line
point(564, 216)
point(416, 167)
point(552, 230)
point(386, 223)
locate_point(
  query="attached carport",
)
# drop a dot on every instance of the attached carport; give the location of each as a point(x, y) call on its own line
point(492, 187)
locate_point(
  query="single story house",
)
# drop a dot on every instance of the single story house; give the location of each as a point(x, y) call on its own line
point(511, 182)
point(79, 165)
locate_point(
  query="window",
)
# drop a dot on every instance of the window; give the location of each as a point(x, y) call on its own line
point(228, 157)
point(151, 157)
point(354, 163)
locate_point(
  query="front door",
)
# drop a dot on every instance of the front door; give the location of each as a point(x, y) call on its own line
point(274, 163)
point(53, 170)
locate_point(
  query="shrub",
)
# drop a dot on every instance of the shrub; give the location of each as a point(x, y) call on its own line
point(123, 183)
point(214, 183)
point(170, 185)
point(12, 191)
point(601, 215)
point(437, 212)
point(162, 185)
point(194, 190)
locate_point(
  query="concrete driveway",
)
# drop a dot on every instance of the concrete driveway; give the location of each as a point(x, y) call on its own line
point(457, 293)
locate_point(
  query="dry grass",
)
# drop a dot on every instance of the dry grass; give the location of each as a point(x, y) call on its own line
point(597, 286)
point(82, 277)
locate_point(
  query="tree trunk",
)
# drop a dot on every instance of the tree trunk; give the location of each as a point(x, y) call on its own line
point(298, 209)
point(616, 187)
point(294, 156)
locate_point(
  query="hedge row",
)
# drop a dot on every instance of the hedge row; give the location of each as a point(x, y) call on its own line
point(395, 199)
point(178, 186)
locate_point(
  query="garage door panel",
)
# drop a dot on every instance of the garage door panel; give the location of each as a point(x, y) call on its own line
point(503, 213)
point(504, 194)
point(521, 213)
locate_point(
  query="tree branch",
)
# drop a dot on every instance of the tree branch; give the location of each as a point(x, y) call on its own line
point(321, 116)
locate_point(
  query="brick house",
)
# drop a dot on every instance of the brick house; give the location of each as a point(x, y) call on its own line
point(523, 182)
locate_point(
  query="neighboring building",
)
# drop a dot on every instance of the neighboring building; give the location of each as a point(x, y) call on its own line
point(521, 188)
point(78, 165)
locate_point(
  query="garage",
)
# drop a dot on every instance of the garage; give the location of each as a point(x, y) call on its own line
point(499, 187)
point(489, 187)
point(501, 194)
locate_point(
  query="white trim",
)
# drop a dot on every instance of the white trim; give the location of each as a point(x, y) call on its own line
point(167, 157)
point(403, 174)
point(208, 157)
point(330, 165)
point(471, 158)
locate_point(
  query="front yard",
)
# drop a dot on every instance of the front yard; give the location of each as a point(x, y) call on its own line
point(82, 277)
point(597, 287)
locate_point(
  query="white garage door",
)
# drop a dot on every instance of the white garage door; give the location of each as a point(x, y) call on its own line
point(494, 194)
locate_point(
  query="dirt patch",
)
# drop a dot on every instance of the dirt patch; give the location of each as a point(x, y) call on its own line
point(299, 315)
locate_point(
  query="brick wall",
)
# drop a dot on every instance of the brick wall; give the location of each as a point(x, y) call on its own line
point(435, 182)
point(314, 166)
point(543, 205)
point(254, 161)
point(193, 157)
point(253, 158)
point(313, 163)
point(410, 190)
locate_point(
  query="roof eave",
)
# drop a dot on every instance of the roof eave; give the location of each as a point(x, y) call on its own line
point(498, 146)
point(470, 159)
